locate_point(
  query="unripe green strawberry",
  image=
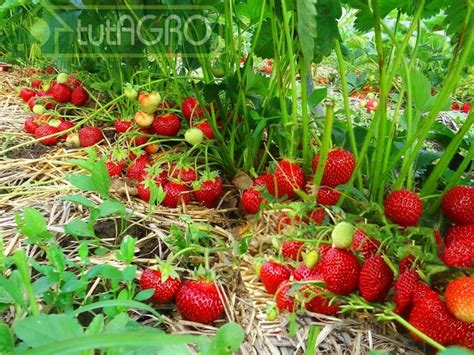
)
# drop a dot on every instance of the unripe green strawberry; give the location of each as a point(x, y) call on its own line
point(194, 136)
point(310, 259)
point(272, 313)
point(39, 109)
point(342, 235)
point(130, 92)
point(62, 78)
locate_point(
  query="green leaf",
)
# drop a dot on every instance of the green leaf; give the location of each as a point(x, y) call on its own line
point(107, 271)
point(328, 12)
point(455, 350)
point(96, 326)
point(264, 46)
point(101, 178)
point(73, 285)
point(317, 96)
point(144, 295)
point(117, 303)
point(365, 17)
point(43, 329)
point(7, 343)
point(228, 339)
point(109, 207)
point(129, 273)
point(421, 89)
point(256, 84)
point(306, 11)
point(127, 250)
point(33, 225)
point(79, 228)
point(83, 182)
point(80, 200)
point(13, 288)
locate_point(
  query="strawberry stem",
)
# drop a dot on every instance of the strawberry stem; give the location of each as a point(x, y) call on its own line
point(417, 332)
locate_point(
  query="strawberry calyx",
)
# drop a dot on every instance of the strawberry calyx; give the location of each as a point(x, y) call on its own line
point(167, 270)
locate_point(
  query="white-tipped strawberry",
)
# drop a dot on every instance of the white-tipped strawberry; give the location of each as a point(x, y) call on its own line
point(73, 140)
point(149, 102)
point(143, 119)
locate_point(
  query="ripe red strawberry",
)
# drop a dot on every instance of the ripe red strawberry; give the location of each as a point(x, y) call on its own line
point(122, 126)
point(284, 300)
point(422, 291)
point(316, 303)
point(26, 94)
point(73, 82)
point(141, 138)
point(208, 190)
point(267, 180)
point(183, 172)
point(30, 125)
point(199, 301)
point(438, 238)
point(36, 83)
point(64, 126)
point(455, 106)
point(459, 296)
point(371, 105)
point(144, 192)
point(206, 128)
point(175, 194)
point(466, 107)
point(272, 274)
point(167, 125)
point(458, 204)
point(292, 250)
point(317, 216)
point(191, 108)
point(303, 273)
point(431, 316)
point(403, 207)
point(79, 96)
point(338, 169)
point(88, 136)
point(340, 271)
point(375, 279)
point(165, 289)
point(406, 263)
point(136, 170)
point(404, 288)
point(61, 93)
point(251, 201)
point(114, 168)
point(289, 177)
point(327, 196)
point(364, 244)
point(44, 131)
point(459, 247)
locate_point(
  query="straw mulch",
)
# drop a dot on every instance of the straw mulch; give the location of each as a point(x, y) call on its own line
point(33, 176)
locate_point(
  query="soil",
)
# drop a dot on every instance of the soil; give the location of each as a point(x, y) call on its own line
point(107, 229)
point(31, 152)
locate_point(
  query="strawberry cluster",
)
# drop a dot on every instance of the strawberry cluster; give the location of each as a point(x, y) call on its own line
point(198, 300)
point(288, 178)
point(47, 126)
